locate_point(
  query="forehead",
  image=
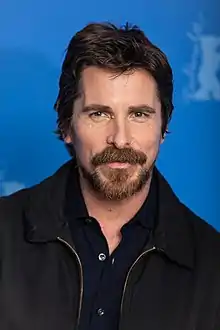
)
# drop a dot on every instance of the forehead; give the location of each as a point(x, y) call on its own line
point(104, 87)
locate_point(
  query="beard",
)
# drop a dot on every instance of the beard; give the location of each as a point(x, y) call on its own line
point(117, 184)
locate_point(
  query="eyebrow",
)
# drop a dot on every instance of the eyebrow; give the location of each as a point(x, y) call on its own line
point(96, 107)
point(142, 107)
point(132, 108)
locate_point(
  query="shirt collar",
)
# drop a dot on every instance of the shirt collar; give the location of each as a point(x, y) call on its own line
point(75, 206)
point(147, 213)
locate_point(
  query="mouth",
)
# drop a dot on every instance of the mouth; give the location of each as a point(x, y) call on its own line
point(118, 165)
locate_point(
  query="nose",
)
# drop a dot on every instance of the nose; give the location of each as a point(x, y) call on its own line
point(119, 135)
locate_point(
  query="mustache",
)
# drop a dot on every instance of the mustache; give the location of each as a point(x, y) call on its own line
point(125, 155)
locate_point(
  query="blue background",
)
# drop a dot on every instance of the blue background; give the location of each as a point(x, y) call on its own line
point(33, 38)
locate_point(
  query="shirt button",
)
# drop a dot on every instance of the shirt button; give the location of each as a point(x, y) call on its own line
point(88, 220)
point(102, 257)
point(100, 312)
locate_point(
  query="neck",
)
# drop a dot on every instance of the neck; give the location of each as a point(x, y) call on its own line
point(112, 215)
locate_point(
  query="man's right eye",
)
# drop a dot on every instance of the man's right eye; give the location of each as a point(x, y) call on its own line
point(96, 114)
point(99, 116)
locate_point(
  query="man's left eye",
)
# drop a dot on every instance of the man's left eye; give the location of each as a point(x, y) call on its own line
point(140, 114)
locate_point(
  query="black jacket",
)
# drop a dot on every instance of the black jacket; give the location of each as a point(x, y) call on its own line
point(173, 285)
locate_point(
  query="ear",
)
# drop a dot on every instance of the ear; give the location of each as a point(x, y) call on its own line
point(163, 136)
point(68, 139)
point(162, 139)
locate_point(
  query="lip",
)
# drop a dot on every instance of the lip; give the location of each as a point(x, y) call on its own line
point(118, 165)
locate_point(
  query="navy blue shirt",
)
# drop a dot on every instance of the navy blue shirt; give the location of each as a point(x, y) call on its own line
point(104, 275)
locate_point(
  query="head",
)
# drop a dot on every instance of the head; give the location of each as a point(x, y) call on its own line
point(114, 106)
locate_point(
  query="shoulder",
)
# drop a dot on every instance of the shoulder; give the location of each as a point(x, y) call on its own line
point(12, 203)
point(201, 227)
point(11, 219)
point(47, 193)
point(206, 239)
point(203, 232)
point(11, 212)
point(192, 231)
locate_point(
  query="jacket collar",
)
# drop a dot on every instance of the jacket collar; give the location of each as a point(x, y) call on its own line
point(173, 233)
point(45, 219)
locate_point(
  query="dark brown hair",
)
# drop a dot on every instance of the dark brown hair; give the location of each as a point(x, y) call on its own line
point(119, 50)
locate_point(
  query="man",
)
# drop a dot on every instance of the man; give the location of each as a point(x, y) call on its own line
point(104, 243)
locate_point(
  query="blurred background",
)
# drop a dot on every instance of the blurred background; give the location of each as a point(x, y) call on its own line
point(33, 39)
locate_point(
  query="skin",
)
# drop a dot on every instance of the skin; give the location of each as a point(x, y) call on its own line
point(121, 112)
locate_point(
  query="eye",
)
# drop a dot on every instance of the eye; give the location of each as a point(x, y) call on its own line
point(98, 115)
point(140, 115)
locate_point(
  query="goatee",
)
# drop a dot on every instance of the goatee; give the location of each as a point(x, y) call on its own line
point(118, 183)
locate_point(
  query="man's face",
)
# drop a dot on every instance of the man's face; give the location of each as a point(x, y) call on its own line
point(116, 131)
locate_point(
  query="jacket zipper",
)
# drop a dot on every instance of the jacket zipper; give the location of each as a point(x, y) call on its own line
point(81, 276)
point(153, 248)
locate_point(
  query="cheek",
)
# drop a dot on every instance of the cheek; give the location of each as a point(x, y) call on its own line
point(82, 144)
point(149, 137)
point(87, 142)
point(152, 150)
point(84, 131)
point(153, 145)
